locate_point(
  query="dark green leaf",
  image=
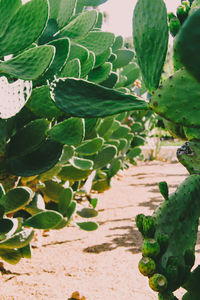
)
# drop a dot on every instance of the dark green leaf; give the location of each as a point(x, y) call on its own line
point(28, 138)
point(44, 220)
point(81, 163)
point(19, 240)
point(36, 162)
point(41, 104)
point(62, 10)
point(87, 226)
point(80, 26)
point(25, 27)
point(30, 64)
point(16, 198)
point(72, 69)
point(93, 100)
point(69, 132)
point(7, 8)
point(65, 199)
point(101, 73)
point(87, 213)
point(97, 41)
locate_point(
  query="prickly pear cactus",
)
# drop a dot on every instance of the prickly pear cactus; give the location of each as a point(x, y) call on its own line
point(170, 237)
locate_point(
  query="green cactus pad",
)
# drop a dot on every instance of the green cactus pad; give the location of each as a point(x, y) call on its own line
point(70, 210)
point(118, 43)
point(80, 25)
point(69, 132)
point(69, 172)
point(101, 185)
point(147, 266)
point(16, 198)
point(19, 240)
point(62, 10)
point(25, 27)
point(72, 69)
point(111, 80)
point(11, 256)
point(36, 162)
point(93, 100)
point(44, 220)
point(8, 9)
point(67, 153)
point(163, 187)
point(52, 190)
point(81, 163)
point(28, 138)
point(104, 156)
point(87, 65)
point(101, 73)
point(65, 199)
point(102, 58)
point(88, 226)
point(26, 251)
point(90, 147)
point(150, 34)
point(104, 126)
point(97, 41)
point(121, 132)
point(124, 56)
point(132, 72)
point(41, 104)
point(62, 47)
point(187, 43)
point(30, 64)
point(115, 166)
point(78, 51)
point(87, 212)
point(181, 88)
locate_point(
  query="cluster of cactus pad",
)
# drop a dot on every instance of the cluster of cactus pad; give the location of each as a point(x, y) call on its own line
point(64, 128)
point(53, 151)
point(170, 235)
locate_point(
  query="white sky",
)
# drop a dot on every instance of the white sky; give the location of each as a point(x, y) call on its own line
point(120, 15)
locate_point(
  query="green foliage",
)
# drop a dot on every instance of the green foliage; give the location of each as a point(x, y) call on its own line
point(96, 101)
point(167, 97)
point(25, 26)
point(150, 36)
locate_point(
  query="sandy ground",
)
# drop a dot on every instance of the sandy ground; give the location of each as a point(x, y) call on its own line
point(101, 265)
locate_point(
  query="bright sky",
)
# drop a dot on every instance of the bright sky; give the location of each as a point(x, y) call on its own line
point(120, 15)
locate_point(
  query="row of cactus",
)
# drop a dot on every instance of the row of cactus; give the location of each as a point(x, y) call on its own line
point(70, 134)
point(170, 234)
point(51, 158)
